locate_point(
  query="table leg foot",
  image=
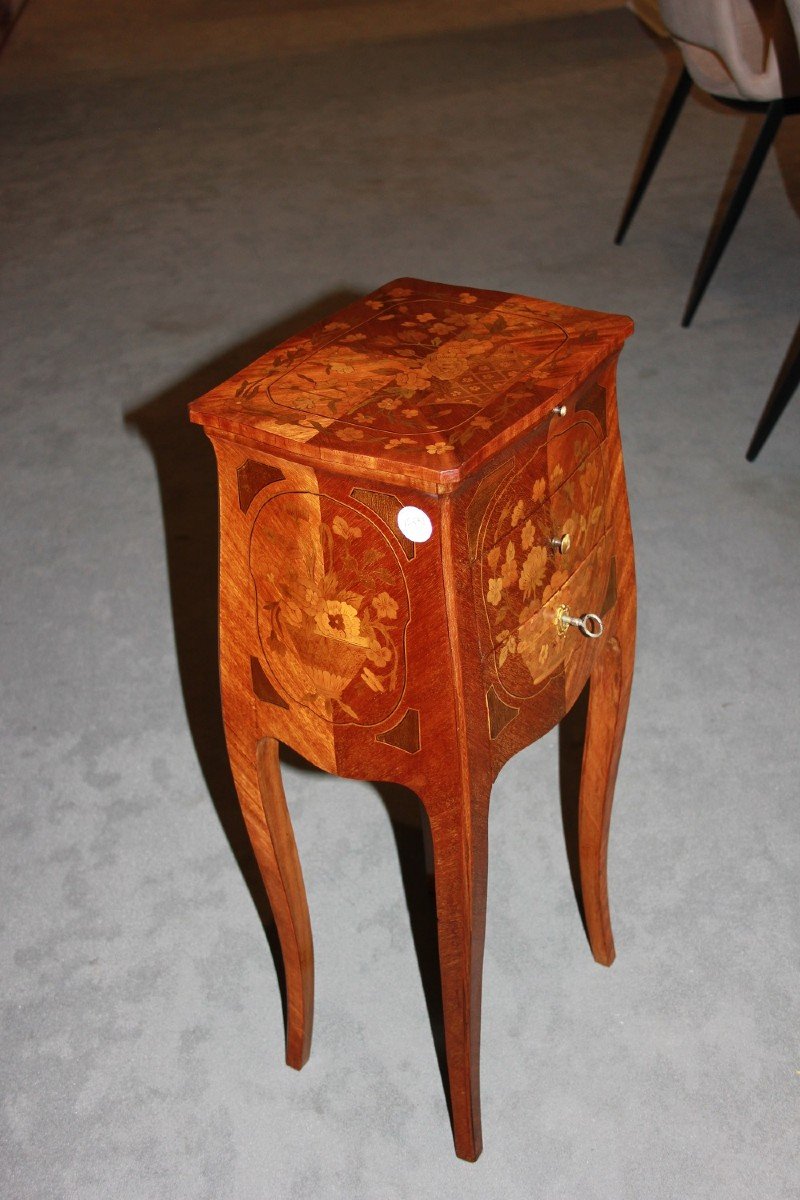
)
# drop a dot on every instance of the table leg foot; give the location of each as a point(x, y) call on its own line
point(459, 840)
point(257, 775)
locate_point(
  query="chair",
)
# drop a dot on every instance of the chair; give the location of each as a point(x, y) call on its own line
point(745, 54)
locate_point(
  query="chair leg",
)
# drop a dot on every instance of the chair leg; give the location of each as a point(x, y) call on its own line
point(784, 388)
point(660, 139)
point(720, 236)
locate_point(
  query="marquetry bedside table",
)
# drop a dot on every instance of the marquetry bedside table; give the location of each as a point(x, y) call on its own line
point(425, 553)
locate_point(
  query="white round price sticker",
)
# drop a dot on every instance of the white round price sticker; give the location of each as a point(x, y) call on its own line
point(414, 524)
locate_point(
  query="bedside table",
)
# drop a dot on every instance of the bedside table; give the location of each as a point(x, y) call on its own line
point(425, 554)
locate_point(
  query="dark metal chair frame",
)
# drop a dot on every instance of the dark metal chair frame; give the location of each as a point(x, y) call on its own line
point(774, 111)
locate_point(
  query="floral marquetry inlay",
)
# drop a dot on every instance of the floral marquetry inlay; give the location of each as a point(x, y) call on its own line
point(420, 375)
point(524, 568)
point(526, 655)
point(413, 366)
point(332, 607)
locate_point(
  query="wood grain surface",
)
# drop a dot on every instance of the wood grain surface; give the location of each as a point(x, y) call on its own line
point(418, 382)
point(427, 663)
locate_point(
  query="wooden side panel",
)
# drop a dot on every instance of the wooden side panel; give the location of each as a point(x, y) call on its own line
point(386, 506)
point(500, 714)
point(332, 607)
point(243, 689)
point(252, 478)
point(262, 687)
point(405, 734)
point(386, 750)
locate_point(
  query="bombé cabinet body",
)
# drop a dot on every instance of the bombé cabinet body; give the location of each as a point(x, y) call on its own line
point(484, 425)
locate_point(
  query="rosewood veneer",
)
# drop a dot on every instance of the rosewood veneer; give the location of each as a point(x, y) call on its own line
point(425, 554)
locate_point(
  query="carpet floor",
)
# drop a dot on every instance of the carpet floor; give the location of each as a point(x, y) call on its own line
point(184, 185)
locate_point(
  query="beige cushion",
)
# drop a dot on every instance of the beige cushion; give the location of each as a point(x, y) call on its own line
point(743, 49)
point(739, 49)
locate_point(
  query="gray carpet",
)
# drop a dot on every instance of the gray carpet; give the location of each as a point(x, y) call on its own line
point(173, 205)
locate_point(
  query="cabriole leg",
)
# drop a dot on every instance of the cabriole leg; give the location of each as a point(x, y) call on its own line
point(609, 693)
point(460, 864)
point(257, 775)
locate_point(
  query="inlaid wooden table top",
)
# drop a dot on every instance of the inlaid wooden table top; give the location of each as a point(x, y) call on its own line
point(425, 559)
point(418, 381)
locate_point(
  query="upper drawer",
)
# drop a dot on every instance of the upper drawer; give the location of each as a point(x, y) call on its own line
point(569, 443)
point(539, 476)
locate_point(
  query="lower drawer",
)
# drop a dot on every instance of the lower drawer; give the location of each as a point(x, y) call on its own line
point(526, 655)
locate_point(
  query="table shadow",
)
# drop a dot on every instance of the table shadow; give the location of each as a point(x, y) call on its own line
point(414, 844)
point(412, 837)
point(187, 480)
point(571, 735)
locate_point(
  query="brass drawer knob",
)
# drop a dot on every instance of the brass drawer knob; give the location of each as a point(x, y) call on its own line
point(589, 624)
point(561, 544)
point(560, 410)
